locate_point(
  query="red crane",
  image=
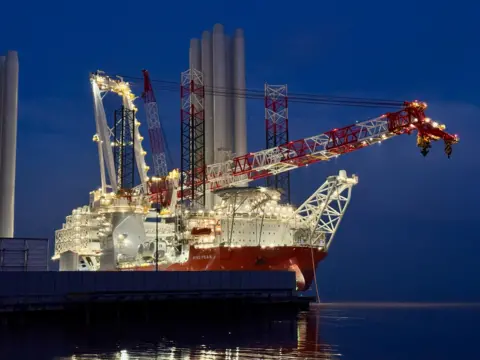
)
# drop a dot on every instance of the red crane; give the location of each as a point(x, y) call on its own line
point(333, 143)
point(157, 140)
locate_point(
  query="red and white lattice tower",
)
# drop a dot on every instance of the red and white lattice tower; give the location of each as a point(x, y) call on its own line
point(192, 138)
point(276, 126)
point(157, 140)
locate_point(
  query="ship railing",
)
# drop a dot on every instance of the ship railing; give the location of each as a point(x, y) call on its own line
point(250, 216)
point(307, 243)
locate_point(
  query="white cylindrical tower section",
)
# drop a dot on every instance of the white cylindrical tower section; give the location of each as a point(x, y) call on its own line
point(2, 96)
point(219, 98)
point(207, 70)
point(9, 145)
point(240, 118)
point(195, 55)
point(230, 93)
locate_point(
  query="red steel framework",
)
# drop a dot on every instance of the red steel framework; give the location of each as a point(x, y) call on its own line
point(192, 138)
point(157, 140)
point(330, 144)
point(276, 129)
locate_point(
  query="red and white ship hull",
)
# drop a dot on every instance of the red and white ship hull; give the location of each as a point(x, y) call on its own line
point(301, 260)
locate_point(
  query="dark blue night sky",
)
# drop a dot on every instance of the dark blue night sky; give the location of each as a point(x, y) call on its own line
point(411, 232)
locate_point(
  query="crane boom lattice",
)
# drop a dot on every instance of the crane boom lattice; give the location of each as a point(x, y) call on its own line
point(322, 212)
point(105, 136)
point(157, 139)
point(333, 143)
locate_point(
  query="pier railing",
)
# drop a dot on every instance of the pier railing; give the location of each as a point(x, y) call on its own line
point(24, 254)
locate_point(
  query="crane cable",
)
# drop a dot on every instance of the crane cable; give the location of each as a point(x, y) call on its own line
point(173, 86)
point(315, 276)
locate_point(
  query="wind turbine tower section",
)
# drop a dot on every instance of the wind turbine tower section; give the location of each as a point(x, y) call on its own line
point(239, 85)
point(8, 140)
point(221, 61)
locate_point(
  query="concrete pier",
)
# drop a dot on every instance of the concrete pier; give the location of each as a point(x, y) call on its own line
point(89, 292)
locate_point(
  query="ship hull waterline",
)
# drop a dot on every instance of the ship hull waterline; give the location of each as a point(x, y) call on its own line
point(301, 260)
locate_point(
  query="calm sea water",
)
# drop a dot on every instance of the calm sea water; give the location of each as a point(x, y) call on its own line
point(338, 332)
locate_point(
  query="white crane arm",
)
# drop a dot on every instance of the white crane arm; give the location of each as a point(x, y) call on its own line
point(324, 209)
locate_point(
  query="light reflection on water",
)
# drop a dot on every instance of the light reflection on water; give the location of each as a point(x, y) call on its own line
point(352, 331)
point(287, 336)
point(296, 338)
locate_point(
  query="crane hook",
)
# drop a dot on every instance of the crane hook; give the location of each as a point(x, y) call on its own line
point(424, 143)
point(448, 148)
